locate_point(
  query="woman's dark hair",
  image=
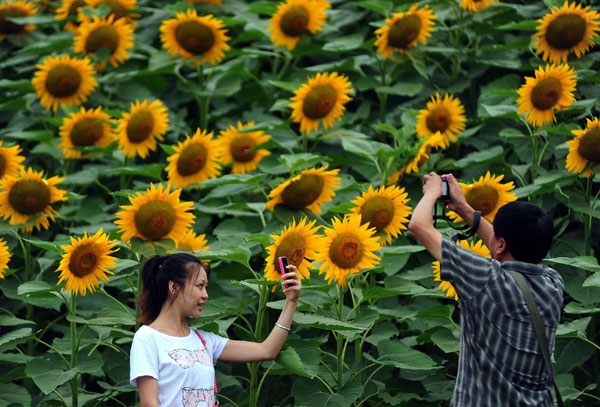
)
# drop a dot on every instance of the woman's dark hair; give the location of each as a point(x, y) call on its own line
point(157, 271)
point(527, 230)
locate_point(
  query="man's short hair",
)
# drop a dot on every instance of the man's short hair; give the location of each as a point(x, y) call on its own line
point(527, 230)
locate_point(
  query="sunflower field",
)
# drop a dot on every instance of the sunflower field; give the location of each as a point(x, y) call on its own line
point(246, 130)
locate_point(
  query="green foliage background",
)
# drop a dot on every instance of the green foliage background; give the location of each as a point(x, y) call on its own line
point(391, 337)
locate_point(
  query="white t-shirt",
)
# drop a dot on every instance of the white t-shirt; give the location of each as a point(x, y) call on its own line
point(183, 367)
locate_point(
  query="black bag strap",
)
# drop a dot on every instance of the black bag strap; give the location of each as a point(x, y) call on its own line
point(538, 326)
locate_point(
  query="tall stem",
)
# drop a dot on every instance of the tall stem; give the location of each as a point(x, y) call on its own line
point(587, 218)
point(258, 337)
point(340, 340)
point(74, 346)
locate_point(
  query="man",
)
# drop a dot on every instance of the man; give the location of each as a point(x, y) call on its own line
point(500, 361)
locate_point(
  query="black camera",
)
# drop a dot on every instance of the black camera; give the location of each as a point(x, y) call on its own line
point(445, 191)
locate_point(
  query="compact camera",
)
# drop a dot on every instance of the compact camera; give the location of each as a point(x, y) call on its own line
point(445, 191)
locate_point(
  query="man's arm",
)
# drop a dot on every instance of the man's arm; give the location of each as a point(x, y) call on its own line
point(421, 222)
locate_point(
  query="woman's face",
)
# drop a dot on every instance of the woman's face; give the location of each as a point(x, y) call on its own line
point(194, 294)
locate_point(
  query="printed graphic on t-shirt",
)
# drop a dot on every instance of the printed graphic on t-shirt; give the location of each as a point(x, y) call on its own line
point(187, 358)
point(198, 397)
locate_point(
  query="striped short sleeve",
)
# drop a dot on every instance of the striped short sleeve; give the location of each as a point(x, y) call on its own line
point(468, 272)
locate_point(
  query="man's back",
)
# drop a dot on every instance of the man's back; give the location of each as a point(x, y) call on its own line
point(500, 362)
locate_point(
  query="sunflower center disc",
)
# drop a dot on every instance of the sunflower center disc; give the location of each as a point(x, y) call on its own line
point(404, 31)
point(83, 260)
point(63, 81)
point(241, 148)
point(77, 4)
point(140, 126)
point(194, 37)
point(29, 197)
point(303, 192)
point(346, 250)
point(293, 247)
point(102, 37)
point(438, 119)
point(566, 31)
point(86, 132)
point(483, 198)
point(116, 8)
point(319, 102)
point(2, 165)
point(378, 211)
point(546, 93)
point(294, 21)
point(155, 219)
point(589, 145)
point(192, 159)
point(8, 27)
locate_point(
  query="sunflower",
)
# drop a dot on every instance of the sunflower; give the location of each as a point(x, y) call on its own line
point(218, 2)
point(487, 195)
point(294, 18)
point(196, 159)
point(445, 115)
point(28, 195)
point(10, 161)
point(191, 36)
point(309, 189)
point(421, 157)
point(322, 98)
point(120, 9)
point(191, 242)
point(15, 8)
point(347, 248)
point(475, 5)
point(154, 215)
point(63, 80)
point(385, 209)
point(70, 8)
point(85, 128)
point(298, 243)
point(139, 129)
point(98, 34)
point(404, 30)
point(551, 89)
point(86, 261)
point(566, 30)
point(584, 153)
point(477, 248)
point(4, 257)
point(239, 147)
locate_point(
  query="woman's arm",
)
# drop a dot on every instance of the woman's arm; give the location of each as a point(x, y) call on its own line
point(148, 389)
point(244, 351)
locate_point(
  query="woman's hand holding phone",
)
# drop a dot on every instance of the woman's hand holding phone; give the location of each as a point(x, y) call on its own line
point(289, 279)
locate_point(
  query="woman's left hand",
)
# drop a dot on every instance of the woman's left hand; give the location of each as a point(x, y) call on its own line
point(294, 284)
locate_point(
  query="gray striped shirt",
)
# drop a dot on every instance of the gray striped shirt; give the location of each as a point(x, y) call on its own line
point(500, 362)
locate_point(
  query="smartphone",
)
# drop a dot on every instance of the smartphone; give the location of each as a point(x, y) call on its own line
point(283, 263)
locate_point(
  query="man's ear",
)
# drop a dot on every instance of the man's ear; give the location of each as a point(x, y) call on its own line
point(502, 248)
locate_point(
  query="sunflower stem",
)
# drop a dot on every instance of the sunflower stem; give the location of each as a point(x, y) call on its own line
point(74, 346)
point(26, 248)
point(587, 218)
point(340, 340)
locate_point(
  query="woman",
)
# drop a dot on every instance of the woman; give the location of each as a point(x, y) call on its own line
point(173, 365)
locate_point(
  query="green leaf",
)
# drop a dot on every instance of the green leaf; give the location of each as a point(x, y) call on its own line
point(566, 387)
point(402, 88)
point(395, 353)
point(261, 238)
point(11, 394)
point(573, 329)
point(401, 250)
point(291, 360)
point(345, 43)
point(302, 160)
point(445, 340)
point(149, 248)
point(262, 7)
point(364, 148)
point(238, 254)
point(148, 170)
point(588, 263)
point(289, 86)
point(592, 281)
point(232, 179)
point(317, 321)
point(576, 308)
point(443, 312)
point(16, 336)
point(10, 320)
point(480, 157)
point(379, 6)
point(46, 376)
point(37, 286)
point(528, 25)
point(108, 317)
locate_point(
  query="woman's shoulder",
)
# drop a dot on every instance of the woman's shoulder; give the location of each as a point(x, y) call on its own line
point(144, 333)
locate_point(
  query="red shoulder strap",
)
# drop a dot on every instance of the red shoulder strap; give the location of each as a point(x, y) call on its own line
point(204, 343)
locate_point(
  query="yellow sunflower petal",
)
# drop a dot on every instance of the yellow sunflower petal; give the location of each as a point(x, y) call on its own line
point(405, 30)
point(347, 248)
point(63, 80)
point(199, 38)
point(155, 214)
point(28, 195)
point(238, 147)
point(322, 98)
point(139, 129)
point(309, 189)
point(4, 257)
point(85, 128)
point(569, 29)
point(443, 115)
point(191, 242)
point(196, 159)
point(476, 5)
point(87, 260)
point(584, 151)
point(295, 18)
point(297, 242)
point(15, 8)
point(70, 8)
point(551, 89)
point(384, 209)
point(119, 9)
point(435, 141)
point(476, 247)
point(10, 161)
